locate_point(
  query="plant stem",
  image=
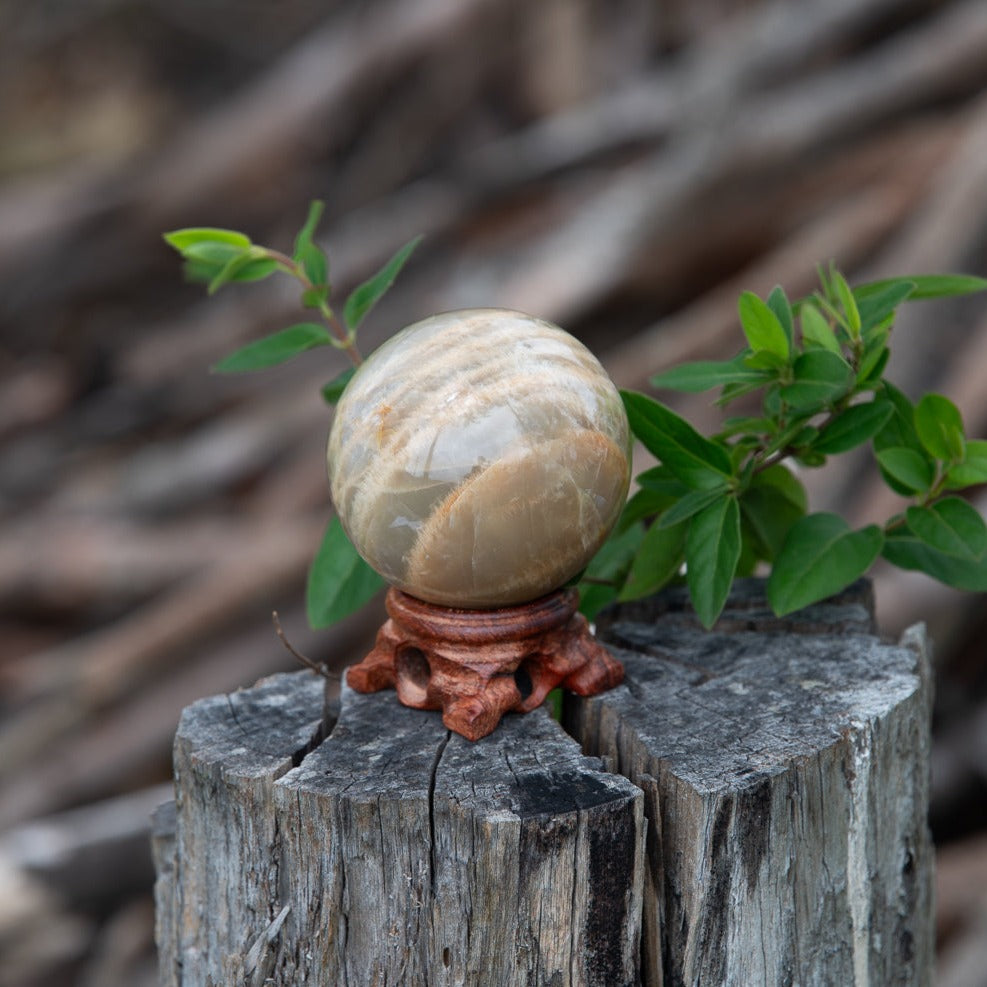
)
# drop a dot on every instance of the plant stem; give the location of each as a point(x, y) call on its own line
point(345, 340)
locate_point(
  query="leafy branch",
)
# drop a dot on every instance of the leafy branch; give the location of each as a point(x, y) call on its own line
point(339, 581)
point(714, 508)
point(718, 507)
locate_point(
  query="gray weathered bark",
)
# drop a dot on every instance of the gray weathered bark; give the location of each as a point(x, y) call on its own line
point(394, 852)
point(784, 771)
point(786, 784)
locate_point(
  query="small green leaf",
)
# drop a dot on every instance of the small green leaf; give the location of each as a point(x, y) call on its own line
point(181, 240)
point(305, 234)
point(951, 526)
point(712, 551)
point(903, 549)
point(254, 270)
point(876, 306)
point(315, 264)
point(644, 504)
point(875, 355)
point(940, 427)
point(912, 470)
point(816, 330)
point(656, 563)
point(779, 304)
point(691, 503)
point(693, 459)
point(770, 506)
point(236, 265)
point(821, 556)
point(363, 298)
point(605, 575)
point(339, 581)
point(767, 362)
point(821, 377)
point(312, 258)
point(900, 427)
point(853, 427)
point(849, 303)
point(315, 297)
point(972, 469)
point(706, 374)
point(333, 391)
point(215, 253)
point(761, 326)
point(274, 349)
point(927, 286)
point(661, 480)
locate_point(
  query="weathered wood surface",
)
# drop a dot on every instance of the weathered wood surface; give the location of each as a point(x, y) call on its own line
point(785, 770)
point(394, 852)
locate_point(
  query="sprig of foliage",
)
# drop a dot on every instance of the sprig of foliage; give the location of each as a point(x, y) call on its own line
point(717, 507)
point(339, 581)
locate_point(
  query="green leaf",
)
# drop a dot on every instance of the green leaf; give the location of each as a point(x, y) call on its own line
point(693, 459)
point(605, 575)
point(821, 556)
point(816, 330)
point(706, 374)
point(305, 234)
point(903, 549)
point(691, 503)
point(770, 507)
point(656, 563)
point(315, 264)
point(876, 306)
point(908, 467)
point(849, 303)
point(254, 270)
point(779, 304)
point(821, 377)
point(765, 361)
point(875, 355)
point(940, 427)
point(314, 297)
point(712, 551)
point(661, 480)
point(339, 581)
point(645, 504)
point(853, 427)
point(927, 286)
point(333, 391)
point(972, 469)
point(216, 253)
point(951, 526)
point(181, 240)
point(761, 326)
point(363, 298)
point(274, 349)
point(236, 265)
point(900, 428)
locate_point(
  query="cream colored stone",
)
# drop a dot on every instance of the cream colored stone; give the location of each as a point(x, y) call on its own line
point(479, 458)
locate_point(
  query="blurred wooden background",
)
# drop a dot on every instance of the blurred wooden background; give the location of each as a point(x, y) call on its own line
point(622, 167)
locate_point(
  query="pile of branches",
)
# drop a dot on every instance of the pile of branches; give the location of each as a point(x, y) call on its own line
point(623, 168)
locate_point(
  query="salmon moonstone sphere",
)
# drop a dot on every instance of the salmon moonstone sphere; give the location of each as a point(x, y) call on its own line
point(479, 458)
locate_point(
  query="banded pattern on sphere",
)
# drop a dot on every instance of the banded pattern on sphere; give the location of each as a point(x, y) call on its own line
point(479, 458)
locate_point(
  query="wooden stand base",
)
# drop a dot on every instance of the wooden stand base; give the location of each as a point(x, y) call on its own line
point(476, 665)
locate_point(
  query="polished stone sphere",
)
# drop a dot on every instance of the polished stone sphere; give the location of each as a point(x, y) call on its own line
point(479, 459)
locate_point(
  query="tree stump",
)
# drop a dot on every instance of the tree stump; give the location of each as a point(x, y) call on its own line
point(781, 767)
point(393, 851)
point(785, 765)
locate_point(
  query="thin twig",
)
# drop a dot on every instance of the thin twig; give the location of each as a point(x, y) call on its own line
point(319, 669)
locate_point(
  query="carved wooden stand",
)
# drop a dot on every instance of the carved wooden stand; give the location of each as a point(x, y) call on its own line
point(476, 665)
